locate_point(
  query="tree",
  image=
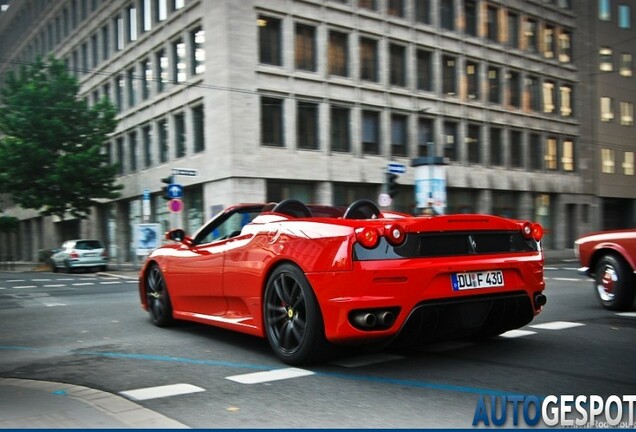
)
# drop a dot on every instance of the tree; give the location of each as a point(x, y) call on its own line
point(51, 157)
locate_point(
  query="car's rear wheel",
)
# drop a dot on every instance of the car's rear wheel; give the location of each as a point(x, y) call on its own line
point(157, 297)
point(293, 322)
point(614, 283)
point(54, 267)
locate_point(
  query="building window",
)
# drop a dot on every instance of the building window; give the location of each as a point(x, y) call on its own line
point(608, 159)
point(565, 46)
point(307, 125)
point(626, 65)
point(536, 152)
point(179, 56)
point(162, 129)
point(368, 4)
point(513, 30)
point(120, 83)
point(371, 132)
point(425, 137)
point(496, 146)
point(338, 49)
point(132, 146)
point(470, 17)
point(119, 33)
point(398, 65)
point(94, 51)
point(514, 93)
point(516, 149)
point(305, 47)
point(549, 40)
point(368, 59)
point(628, 164)
point(627, 113)
point(530, 34)
point(447, 14)
point(399, 136)
point(473, 143)
point(146, 136)
point(161, 10)
point(624, 18)
point(606, 63)
point(472, 80)
point(423, 11)
point(549, 97)
point(567, 155)
point(604, 10)
point(120, 155)
point(161, 62)
point(494, 85)
point(146, 78)
point(450, 140)
point(492, 23)
point(424, 70)
point(272, 122)
point(146, 13)
point(105, 43)
point(565, 100)
point(132, 23)
point(269, 40)
point(180, 136)
point(198, 120)
point(131, 87)
point(197, 60)
point(340, 129)
point(551, 154)
point(395, 8)
point(607, 109)
point(449, 76)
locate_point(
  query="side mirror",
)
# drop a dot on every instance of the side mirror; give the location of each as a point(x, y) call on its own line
point(176, 235)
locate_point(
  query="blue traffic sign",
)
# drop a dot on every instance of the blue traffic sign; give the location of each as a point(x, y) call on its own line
point(175, 191)
point(396, 168)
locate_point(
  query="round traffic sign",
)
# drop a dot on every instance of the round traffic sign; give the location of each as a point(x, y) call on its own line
point(175, 205)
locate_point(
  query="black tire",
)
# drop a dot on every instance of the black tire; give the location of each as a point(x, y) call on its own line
point(614, 283)
point(157, 297)
point(292, 318)
point(67, 267)
point(54, 267)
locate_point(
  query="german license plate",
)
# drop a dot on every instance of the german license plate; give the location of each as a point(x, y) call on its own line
point(474, 280)
point(90, 254)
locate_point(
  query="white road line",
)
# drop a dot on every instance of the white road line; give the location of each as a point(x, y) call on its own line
point(24, 286)
point(65, 280)
point(54, 285)
point(109, 283)
point(40, 280)
point(569, 279)
point(571, 268)
point(267, 376)
point(15, 280)
point(83, 283)
point(550, 268)
point(517, 333)
point(557, 325)
point(366, 360)
point(54, 304)
point(161, 391)
point(627, 314)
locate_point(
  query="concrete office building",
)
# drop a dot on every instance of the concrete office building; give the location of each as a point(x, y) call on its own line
point(311, 99)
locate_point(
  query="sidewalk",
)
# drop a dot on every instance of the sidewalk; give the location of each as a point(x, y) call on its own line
point(49, 405)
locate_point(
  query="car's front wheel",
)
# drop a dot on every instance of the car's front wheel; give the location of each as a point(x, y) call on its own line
point(293, 322)
point(614, 283)
point(157, 297)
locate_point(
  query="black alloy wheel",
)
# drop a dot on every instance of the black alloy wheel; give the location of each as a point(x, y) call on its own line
point(293, 322)
point(614, 283)
point(157, 297)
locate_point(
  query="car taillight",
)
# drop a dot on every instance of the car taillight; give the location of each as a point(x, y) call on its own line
point(74, 254)
point(395, 234)
point(105, 253)
point(532, 231)
point(368, 237)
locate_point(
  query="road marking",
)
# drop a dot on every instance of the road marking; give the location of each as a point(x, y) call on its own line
point(15, 280)
point(24, 286)
point(161, 391)
point(550, 268)
point(109, 283)
point(272, 375)
point(366, 360)
point(627, 314)
point(557, 325)
point(40, 280)
point(83, 283)
point(571, 268)
point(54, 285)
point(65, 279)
point(54, 304)
point(569, 279)
point(517, 333)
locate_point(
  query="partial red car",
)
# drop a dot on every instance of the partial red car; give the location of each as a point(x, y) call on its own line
point(307, 277)
point(609, 257)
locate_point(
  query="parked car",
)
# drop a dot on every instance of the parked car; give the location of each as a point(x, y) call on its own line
point(609, 257)
point(306, 277)
point(80, 254)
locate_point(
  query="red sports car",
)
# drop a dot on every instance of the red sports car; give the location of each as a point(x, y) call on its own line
point(306, 277)
point(609, 258)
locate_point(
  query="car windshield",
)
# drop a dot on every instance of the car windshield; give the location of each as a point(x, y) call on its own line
point(88, 245)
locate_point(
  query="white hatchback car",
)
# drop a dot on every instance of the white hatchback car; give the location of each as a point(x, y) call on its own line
point(80, 253)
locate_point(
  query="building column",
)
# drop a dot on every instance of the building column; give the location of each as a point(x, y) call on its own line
point(324, 193)
point(484, 201)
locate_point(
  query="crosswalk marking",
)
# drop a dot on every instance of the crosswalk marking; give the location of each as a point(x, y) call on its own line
point(557, 325)
point(517, 333)
point(627, 314)
point(161, 391)
point(267, 376)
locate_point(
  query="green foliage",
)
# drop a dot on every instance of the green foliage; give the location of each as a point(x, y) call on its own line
point(8, 224)
point(51, 156)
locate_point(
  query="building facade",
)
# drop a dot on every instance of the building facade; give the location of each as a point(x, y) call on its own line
point(269, 99)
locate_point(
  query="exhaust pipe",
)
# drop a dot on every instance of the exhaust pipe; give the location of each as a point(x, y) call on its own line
point(540, 300)
point(365, 320)
point(386, 319)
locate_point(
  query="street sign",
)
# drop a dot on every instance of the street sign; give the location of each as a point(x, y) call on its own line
point(175, 191)
point(188, 172)
point(175, 205)
point(396, 168)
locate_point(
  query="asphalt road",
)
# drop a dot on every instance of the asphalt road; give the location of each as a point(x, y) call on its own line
point(89, 330)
